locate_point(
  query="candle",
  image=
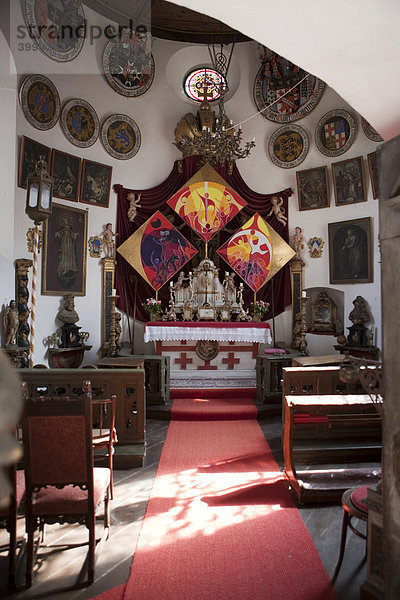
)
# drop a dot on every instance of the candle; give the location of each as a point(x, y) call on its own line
point(171, 284)
point(114, 292)
point(304, 294)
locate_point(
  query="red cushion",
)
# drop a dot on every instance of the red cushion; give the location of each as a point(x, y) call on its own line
point(358, 496)
point(70, 499)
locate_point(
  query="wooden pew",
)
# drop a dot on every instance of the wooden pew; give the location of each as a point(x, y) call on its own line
point(126, 384)
point(332, 435)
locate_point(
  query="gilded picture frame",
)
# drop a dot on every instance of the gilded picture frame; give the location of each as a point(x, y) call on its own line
point(348, 181)
point(350, 251)
point(64, 252)
point(313, 188)
point(373, 173)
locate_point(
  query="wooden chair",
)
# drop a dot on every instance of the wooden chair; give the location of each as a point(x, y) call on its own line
point(8, 516)
point(62, 486)
point(353, 502)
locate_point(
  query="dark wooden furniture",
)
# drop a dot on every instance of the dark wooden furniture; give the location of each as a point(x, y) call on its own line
point(269, 375)
point(367, 352)
point(354, 506)
point(62, 485)
point(330, 444)
point(156, 370)
point(67, 358)
point(126, 384)
point(8, 516)
point(318, 361)
point(316, 380)
point(104, 435)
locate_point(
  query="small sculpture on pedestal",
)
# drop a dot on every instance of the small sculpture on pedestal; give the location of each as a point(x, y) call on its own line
point(69, 331)
point(298, 239)
point(170, 314)
point(108, 241)
point(358, 333)
point(10, 324)
point(242, 314)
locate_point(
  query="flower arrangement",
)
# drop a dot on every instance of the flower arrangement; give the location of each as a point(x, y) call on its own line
point(259, 308)
point(152, 306)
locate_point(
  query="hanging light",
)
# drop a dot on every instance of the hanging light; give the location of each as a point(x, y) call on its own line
point(39, 192)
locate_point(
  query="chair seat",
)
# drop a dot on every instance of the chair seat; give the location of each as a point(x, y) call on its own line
point(358, 496)
point(70, 499)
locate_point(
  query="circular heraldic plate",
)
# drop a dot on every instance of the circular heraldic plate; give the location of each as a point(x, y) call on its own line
point(369, 131)
point(335, 132)
point(288, 146)
point(129, 66)
point(120, 136)
point(80, 123)
point(58, 28)
point(283, 92)
point(40, 102)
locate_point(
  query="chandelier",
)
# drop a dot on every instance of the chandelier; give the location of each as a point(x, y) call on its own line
point(212, 137)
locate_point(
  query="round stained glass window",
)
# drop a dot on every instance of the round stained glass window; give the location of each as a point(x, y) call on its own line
point(204, 81)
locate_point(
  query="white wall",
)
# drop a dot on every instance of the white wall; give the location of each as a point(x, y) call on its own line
point(157, 112)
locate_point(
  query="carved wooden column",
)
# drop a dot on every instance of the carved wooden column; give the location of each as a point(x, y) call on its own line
point(108, 265)
point(20, 356)
point(296, 277)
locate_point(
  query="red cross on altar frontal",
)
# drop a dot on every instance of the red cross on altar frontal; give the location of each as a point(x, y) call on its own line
point(183, 361)
point(231, 361)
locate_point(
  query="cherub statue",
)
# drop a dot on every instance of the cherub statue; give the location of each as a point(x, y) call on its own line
point(297, 239)
point(133, 205)
point(108, 241)
point(10, 323)
point(277, 210)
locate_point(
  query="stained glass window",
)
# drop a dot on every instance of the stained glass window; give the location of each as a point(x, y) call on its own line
point(203, 79)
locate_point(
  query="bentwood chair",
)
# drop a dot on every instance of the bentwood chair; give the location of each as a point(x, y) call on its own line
point(62, 485)
point(354, 506)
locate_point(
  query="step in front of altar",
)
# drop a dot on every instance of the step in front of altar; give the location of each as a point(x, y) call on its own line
point(213, 379)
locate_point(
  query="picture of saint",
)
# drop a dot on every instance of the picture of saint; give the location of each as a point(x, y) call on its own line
point(67, 266)
point(350, 254)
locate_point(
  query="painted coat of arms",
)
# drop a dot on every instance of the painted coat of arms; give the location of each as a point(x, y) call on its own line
point(315, 246)
point(284, 92)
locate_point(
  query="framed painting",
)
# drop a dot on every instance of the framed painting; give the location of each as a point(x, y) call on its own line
point(30, 153)
point(348, 181)
point(95, 183)
point(66, 171)
point(64, 252)
point(373, 173)
point(312, 188)
point(350, 251)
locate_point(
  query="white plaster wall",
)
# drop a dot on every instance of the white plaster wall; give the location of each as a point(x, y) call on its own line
point(157, 113)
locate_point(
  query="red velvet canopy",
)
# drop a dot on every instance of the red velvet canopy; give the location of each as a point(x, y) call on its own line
point(155, 198)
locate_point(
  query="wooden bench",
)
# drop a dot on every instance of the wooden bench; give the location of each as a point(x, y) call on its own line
point(126, 384)
point(332, 435)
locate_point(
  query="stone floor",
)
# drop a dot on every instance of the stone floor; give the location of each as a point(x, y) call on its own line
point(57, 570)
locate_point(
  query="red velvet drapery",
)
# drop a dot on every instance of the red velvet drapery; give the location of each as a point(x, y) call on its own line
point(155, 198)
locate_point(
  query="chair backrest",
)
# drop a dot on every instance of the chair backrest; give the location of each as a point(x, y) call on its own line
point(57, 437)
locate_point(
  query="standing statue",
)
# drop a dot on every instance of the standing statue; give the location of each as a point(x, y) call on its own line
point(298, 239)
point(108, 241)
point(10, 323)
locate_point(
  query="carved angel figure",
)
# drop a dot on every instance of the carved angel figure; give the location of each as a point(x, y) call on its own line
point(277, 210)
point(133, 205)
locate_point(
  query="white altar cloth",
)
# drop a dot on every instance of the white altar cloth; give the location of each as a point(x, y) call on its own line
point(221, 332)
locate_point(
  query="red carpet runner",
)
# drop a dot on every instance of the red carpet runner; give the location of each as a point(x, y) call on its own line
point(220, 523)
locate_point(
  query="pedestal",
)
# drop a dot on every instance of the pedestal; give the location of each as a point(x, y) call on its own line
point(67, 358)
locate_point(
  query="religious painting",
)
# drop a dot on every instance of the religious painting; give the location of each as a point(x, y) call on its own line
point(350, 251)
point(256, 252)
point(66, 173)
point(373, 173)
point(348, 181)
point(282, 91)
point(128, 63)
point(40, 102)
point(157, 250)
point(335, 132)
point(206, 203)
point(95, 183)
point(120, 136)
point(64, 252)
point(313, 189)
point(288, 146)
point(30, 153)
point(58, 28)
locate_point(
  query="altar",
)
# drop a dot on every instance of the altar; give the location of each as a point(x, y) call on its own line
point(209, 348)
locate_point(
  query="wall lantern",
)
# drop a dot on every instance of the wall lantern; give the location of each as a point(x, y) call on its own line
point(39, 191)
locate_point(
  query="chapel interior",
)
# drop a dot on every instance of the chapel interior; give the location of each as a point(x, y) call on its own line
point(199, 200)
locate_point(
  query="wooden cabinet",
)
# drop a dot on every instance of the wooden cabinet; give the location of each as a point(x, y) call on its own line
point(269, 368)
point(330, 443)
